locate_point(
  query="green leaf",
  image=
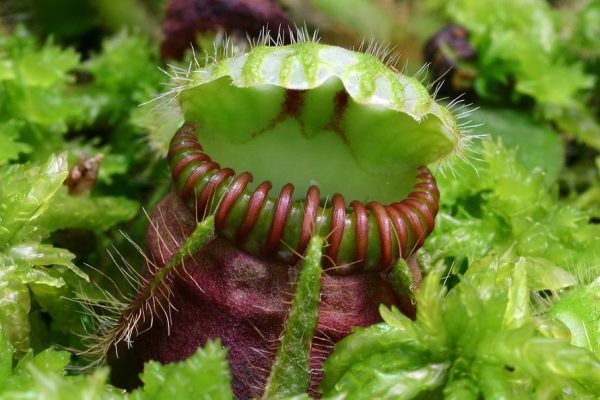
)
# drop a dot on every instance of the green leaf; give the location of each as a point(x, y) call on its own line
point(402, 324)
point(35, 92)
point(579, 310)
point(203, 375)
point(86, 212)
point(10, 147)
point(6, 70)
point(43, 377)
point(21, 381)
point(125, 73)
point(545, 275)
point(48, 66)
point(36, 254)
point(502, 206)
point(580, 122)
point(430, 319)
point(520, 40)
point(517, 305)
point(586, 37)
point(5, 359)
point(360, 345)
point(25, 192)
point(14, 309)
point(538, 146)
point(33, 203)
point(461, 389)
point(92, 386)
point(558, 85)
point(390, 375)
point(66, 314)
point(480, 339)
point(47, 360)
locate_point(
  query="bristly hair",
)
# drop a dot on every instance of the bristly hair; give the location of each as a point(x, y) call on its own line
point(465, 150)
point(226, 48)
point(386, 53)
point(182, 78)
point(121, 317)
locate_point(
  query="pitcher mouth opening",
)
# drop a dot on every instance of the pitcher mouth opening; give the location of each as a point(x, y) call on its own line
point(371, 236)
